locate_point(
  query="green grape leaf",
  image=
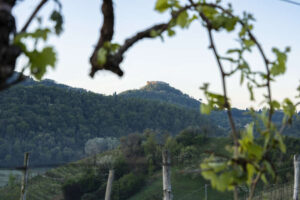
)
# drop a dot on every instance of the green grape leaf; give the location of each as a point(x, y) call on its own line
point(248, 43)
point(250, 88)
point(205, 109)
point(230, 23)
point(183, 19)
point(282, 146)
point(269, 168)
point(275, 104)
point(230, 51)
point(279, 66)
point(102, 56)
point(224, 180)
point(162, 5)
point(251, 171)
point(57, 18)
point(289, 110)
point(255, 151)
point(37, 34)
point(39, 60)
point(171, 32)
point(264, 179)
point(208, 11)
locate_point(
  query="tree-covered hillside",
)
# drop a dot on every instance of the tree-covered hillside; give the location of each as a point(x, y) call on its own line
point(54, 122)
point(161, 91)
point(158, 90)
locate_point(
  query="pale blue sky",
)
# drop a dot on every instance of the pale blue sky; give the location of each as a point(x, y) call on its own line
point(183, 61)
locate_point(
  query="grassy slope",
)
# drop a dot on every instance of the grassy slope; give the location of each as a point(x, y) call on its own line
point(184, 187)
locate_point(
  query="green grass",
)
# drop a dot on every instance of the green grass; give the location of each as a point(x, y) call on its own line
point(4, 176)
point(184, 187)
point(276, 192)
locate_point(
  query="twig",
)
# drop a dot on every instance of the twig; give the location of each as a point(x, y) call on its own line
point(253, 185)
point(262, 53)
point(147, 33)
point(223, 75)
point(227, 105)
point(291, 2)
point(36, 10)
point(107, 31)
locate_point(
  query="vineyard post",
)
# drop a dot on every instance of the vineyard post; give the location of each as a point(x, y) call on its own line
point(109, 184)
point(25, 177)
point(166, 168)
point(296, 176)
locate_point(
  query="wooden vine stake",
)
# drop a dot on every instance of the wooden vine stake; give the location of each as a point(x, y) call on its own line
point(109, 184)
point(296, 176)
point(166, 168)
point(25, 177)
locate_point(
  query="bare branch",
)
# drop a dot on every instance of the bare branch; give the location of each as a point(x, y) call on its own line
point(107, 32)
point(141, 35)
point(36, 10)
point(8, 51)
point(113, 61)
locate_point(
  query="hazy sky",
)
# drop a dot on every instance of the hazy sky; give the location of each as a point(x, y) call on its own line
point(184, 61)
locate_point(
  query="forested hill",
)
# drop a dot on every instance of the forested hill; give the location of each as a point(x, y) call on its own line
point(158, 90)
point(53, 122)
point(161, 91)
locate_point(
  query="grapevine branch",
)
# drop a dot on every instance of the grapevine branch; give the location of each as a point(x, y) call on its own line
point(34, 13)
point(221, 68)
point(262, 53)
point(10, 52)
point(224, 74)
point(223, 77)
point(113, 61)
point(258, 45)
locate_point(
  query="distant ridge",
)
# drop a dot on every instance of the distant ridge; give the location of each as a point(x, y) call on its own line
point(163, 92)
point(159, 90)
point(45, 82)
